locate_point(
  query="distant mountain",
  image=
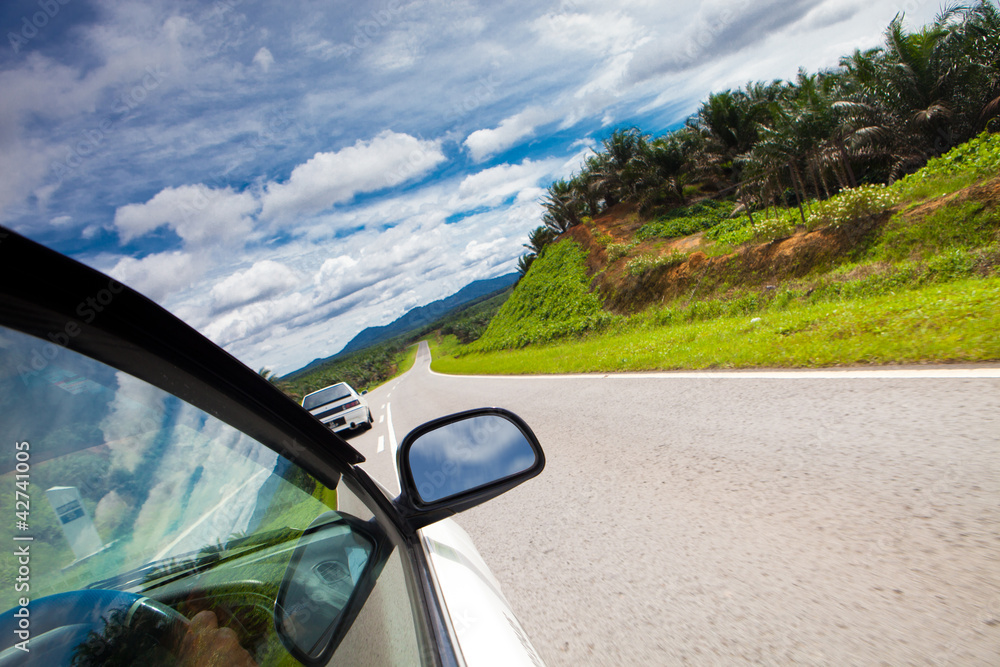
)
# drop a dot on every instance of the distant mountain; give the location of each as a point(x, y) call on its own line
point(419, 317)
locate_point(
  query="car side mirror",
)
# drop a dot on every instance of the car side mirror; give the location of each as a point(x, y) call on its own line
point(330, 575)
point(451, 464)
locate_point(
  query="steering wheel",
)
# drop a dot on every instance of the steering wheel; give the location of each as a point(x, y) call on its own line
point(98, 624)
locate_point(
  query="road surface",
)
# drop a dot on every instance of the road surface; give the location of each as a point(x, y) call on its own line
point(801, 518)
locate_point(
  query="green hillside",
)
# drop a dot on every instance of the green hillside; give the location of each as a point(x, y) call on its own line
point(877, 274)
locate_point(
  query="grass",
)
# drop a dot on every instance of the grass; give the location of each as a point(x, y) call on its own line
point(552, 301)
point(939, 323)
point(969, 224)
point(444, 346)
point(960, 167)
point(686, 220)
point(405, 360)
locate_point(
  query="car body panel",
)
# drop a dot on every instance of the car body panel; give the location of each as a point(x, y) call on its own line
point(487, 630)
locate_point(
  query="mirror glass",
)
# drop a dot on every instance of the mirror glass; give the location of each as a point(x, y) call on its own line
point(466, 455)
point(326, 570)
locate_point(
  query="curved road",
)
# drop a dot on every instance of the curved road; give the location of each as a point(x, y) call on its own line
point(809, 518)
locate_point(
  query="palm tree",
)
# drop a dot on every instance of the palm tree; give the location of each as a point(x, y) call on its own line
point(538, 238)
point(662, 170)
point(972, 48)
point(728, 124)
point(923, 92)
point(614, 171)
point(562, 207)
point(524, 263)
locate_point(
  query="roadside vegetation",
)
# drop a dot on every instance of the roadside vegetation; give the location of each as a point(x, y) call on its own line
point(848, 216)
point(952, 322)
point(551, 302)
point(362, 370)
point(905, 273)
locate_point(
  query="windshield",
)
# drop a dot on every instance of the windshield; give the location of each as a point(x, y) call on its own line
point(328, 395)
point(116, 474)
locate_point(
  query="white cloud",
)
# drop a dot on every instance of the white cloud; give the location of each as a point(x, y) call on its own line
point(718, 28)
point(490, 187)
point(253, 318)
point(340, 277)
point(197, 213)
point(264, 279)
point(477, 251)
point(24, 164)
point(159, 276)
point(482, 144)
point(398, 51)
point(130, 426)
point(830, 13)
point(603, 34)
point(389, 159)
point(263, 59)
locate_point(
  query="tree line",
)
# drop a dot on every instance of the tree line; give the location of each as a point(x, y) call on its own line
point(881, 114)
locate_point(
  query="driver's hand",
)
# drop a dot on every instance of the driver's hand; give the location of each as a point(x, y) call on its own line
point(206, 644)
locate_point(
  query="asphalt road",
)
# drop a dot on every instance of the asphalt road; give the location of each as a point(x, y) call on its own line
point(802, 518)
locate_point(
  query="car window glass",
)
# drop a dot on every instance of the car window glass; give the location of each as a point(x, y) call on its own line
point(328, 395)
point(127, 489)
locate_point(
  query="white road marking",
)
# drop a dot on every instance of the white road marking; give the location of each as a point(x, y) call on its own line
point(381, 444)
point(383, 406)
point(381, 418)
point(392, 438)
point(808, 374)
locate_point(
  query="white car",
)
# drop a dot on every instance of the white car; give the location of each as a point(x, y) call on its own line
point(339, 407)
point(170, 506)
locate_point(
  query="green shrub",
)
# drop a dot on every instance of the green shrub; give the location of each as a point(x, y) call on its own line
point(960, 167)
point(616, 251)
point(640, 265)
point(978, 157)
point(552, 301)
point(737, 231)
point(952, 265)
point(852, 204)
point(686, 220)
point(967, 224)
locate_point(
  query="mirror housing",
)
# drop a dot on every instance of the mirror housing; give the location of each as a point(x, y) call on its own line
point(451, 464)
point(330, 575)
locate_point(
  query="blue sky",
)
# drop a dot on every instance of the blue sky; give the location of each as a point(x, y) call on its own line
point(283, 175)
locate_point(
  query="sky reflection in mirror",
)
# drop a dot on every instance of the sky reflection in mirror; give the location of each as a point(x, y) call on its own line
point(466, 455)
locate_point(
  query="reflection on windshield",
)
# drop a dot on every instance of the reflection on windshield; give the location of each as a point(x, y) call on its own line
point(151, 477)
point(467, 454)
